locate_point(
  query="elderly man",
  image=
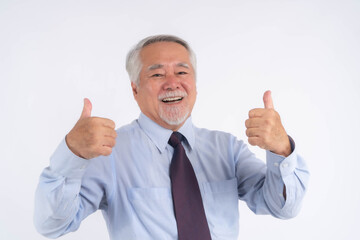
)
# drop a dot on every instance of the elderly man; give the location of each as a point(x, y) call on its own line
point(161, 177)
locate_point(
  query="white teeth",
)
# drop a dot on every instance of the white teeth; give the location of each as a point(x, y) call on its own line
point(172, 99)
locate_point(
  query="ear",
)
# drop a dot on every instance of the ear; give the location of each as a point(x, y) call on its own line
point(134, 89)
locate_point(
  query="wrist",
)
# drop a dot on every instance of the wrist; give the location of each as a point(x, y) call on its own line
point(70, 146)
point(285, 149)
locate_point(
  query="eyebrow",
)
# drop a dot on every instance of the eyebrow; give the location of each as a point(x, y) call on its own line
point(157, 66)
point(185, 65)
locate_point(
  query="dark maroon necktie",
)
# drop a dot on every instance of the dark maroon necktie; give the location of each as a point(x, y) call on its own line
point(188, 206)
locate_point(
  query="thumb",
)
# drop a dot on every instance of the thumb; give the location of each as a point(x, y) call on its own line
point(268, 102)
point(86, 112)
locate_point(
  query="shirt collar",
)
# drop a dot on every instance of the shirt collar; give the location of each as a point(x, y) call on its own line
point(160, 135)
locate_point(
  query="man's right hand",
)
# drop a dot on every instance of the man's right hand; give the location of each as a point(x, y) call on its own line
point(91, 136)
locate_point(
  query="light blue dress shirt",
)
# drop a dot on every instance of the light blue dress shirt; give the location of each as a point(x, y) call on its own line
point(132, 185)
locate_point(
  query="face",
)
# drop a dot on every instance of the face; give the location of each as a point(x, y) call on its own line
point(167, 90)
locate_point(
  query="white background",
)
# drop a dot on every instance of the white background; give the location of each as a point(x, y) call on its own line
point(55, 53)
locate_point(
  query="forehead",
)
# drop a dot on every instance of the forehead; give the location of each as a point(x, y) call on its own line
point(164, 53)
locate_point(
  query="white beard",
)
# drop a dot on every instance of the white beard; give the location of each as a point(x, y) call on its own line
point(173, 115)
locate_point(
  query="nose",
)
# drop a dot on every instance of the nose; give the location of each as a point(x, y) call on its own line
point(171, 82)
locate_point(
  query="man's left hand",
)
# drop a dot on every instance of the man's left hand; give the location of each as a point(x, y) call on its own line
point(264, 128)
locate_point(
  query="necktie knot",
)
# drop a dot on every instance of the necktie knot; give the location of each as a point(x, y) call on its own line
point(175, 139)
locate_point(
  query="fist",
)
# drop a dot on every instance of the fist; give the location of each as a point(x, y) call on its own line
point(264, 128)
point(91, 136)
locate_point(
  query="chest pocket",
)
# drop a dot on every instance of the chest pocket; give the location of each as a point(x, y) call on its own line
point(154, 211)
point(221, 205)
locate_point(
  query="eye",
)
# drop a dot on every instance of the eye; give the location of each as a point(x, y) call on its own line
point(157, 75)
point(182, 73)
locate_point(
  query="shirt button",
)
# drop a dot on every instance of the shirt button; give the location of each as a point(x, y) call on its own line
point(285, 165)
point(276, 164)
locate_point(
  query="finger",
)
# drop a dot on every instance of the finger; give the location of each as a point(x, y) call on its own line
point(257, 112)
point(105, 150)
point(110, 132)
point(108, 123)
point(268, 102)
point(105, 122)
point(255, 141)
point(253, 132)
point(254, 122)
point(108, 142)
point(86, 112)
point(103, 142)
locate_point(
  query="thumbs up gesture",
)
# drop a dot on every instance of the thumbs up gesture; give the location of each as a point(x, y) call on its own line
point(264, 128)
point(91, 136)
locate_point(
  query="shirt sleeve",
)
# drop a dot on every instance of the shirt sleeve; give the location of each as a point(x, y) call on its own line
point(67, 192)
point(261, 185)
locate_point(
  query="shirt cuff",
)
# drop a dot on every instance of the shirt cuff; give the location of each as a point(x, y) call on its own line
point(281, 165)
point(66, 163)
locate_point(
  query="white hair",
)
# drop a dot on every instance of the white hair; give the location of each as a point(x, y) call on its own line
point(133, 61)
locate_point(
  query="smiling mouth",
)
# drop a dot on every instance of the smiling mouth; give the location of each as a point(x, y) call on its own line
point(172, 99)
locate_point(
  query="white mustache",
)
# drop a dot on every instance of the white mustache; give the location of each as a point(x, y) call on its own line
point(172, 94)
